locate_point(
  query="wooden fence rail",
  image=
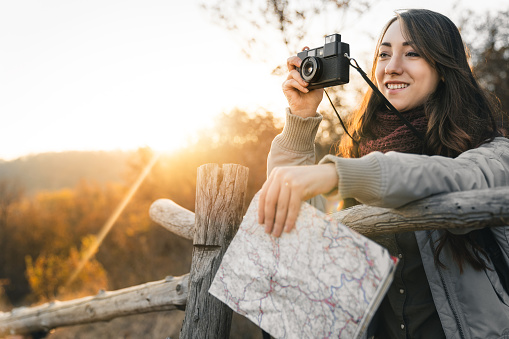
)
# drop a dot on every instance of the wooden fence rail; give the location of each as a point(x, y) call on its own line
point(219, 210)
point(163, 295)
point(476, 208)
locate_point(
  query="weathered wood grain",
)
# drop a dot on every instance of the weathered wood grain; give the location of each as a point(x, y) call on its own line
point(220, 198)
point(163, 295)
point(173, 217)
point(458, 210)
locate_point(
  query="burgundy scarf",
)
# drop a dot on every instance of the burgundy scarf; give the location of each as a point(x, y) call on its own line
point(391, 134)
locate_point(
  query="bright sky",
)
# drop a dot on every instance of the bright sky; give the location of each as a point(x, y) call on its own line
point(120, 74)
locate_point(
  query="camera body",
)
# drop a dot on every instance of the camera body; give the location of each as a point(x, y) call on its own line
point(326, 66)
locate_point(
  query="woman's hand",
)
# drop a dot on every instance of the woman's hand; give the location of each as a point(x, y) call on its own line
point(286, 188)
point(302, 101)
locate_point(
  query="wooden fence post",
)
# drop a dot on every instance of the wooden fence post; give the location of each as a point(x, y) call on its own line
point(220, 195)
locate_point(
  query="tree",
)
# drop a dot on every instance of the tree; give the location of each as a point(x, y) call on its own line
point(236, 137)
point(487, 37)
point(288, 20)
point(49, 274)
point(49, 225)
point(10, 194)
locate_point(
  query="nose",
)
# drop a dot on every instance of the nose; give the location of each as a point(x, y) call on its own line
point(394, 66)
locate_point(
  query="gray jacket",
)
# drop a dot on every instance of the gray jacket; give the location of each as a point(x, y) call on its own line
point(470, 305)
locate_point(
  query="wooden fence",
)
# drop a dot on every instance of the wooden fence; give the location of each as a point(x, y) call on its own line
point(220, 204)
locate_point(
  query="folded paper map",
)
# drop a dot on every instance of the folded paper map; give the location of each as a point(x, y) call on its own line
point(321, 280)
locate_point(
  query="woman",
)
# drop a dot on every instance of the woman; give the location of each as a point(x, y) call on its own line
point(445, 286)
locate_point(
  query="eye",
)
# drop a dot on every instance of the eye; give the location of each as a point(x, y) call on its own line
point(383, 55)
point(413, 54)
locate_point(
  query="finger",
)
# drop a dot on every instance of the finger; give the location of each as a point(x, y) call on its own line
point(294, 84)
point(296, 76)
point(281, 210)
point(261, 203)
point(293, 62)
point(263, 194)
point(293, 212)
point(270, 205)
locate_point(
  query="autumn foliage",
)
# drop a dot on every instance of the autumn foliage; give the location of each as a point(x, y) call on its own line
point(45, 236)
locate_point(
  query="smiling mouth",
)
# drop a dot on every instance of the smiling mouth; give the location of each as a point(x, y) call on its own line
point(396, 86)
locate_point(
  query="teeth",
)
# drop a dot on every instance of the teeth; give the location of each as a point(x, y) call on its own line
point(396, 86)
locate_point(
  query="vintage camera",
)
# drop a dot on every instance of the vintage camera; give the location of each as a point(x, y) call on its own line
point(326, 66)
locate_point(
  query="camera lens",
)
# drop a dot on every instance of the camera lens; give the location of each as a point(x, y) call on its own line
point(310, 69)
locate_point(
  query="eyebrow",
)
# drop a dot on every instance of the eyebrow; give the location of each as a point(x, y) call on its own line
point(388, 44)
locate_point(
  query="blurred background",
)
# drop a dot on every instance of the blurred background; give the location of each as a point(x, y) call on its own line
point(93, 92)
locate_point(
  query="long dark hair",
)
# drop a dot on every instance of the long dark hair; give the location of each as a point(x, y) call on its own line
point(461, 115)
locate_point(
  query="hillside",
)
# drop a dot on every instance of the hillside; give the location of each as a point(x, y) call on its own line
point(53, 171)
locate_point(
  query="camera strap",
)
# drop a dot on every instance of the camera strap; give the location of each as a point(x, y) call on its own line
point(387, 103)
point(340, 120)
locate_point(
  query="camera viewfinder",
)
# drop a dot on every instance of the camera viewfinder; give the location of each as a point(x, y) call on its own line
point(331, 38)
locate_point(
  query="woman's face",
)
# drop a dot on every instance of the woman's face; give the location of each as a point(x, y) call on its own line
point(403, 76)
